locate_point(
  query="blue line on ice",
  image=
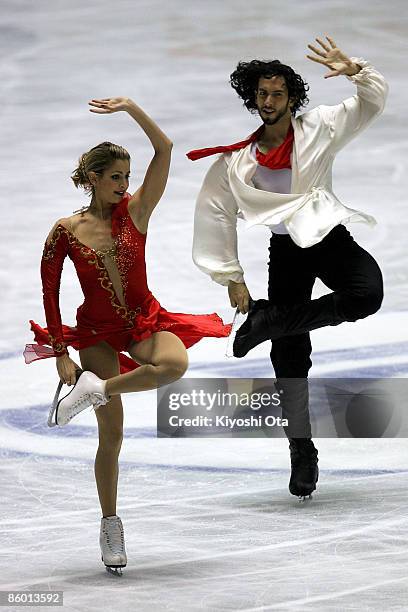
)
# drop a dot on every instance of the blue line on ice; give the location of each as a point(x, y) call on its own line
point(10, 453)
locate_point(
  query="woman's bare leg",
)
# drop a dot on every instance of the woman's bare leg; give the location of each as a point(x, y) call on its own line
point(102, 360)
point(164, 360)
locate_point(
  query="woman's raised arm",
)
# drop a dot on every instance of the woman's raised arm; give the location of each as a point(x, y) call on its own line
point(148, 195)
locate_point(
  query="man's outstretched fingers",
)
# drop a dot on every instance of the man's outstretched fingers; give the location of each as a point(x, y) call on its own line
point(331, 41)
point(316, 50)
point(323, 44)
point(316, 59)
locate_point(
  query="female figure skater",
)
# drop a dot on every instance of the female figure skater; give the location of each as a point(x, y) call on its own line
point(106, 242)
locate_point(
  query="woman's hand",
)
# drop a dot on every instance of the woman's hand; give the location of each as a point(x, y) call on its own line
point(67, 369)
point(105, 106)
point(333, 58)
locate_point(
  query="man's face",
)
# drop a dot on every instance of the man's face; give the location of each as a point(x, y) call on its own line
point(272, 99)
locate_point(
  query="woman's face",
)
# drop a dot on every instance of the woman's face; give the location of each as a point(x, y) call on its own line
point(111, 185)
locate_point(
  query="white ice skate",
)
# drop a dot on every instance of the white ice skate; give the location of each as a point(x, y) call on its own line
point(89, 390)
point(112, 541)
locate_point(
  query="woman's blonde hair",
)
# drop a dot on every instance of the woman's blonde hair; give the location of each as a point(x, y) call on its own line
point(96, 160)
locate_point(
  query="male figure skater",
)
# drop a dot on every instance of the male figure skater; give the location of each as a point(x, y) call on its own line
point(281, 177)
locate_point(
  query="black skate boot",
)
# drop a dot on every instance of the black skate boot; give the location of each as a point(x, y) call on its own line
point(268, 321)
point(255, 329)
point(305, 473)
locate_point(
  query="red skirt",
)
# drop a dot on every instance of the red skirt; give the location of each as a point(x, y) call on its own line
point(190, 328)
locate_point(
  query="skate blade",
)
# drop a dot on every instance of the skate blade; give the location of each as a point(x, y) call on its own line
point(51, 422)
point(115, 571)
point(304, 498)
point(236, 324)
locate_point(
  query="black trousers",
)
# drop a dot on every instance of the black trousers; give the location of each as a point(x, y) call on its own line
point(356, 282)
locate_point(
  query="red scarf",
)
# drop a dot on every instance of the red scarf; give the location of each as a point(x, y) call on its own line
point(275, 159)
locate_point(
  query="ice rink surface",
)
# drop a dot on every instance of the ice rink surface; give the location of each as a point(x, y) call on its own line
point(209, 524)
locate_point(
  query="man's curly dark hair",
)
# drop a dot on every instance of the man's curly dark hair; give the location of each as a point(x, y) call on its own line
point(247, 74)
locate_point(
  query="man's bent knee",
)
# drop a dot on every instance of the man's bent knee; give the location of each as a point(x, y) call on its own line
point(373, 302)
point(359, 306)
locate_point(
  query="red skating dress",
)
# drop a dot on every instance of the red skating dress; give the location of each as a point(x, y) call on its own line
point(102, 316)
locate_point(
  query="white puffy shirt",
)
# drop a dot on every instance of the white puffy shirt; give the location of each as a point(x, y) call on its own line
point(267, 179)
point(311, 209)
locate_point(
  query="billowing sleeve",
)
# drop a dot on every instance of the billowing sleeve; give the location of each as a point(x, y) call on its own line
point(354, 114)
point(55, 251)
point(215, 227)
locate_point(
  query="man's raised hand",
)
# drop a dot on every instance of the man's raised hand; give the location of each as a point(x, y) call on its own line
point(331, 56)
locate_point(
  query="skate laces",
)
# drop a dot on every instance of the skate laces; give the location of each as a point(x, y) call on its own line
point(113, 531)
point(81, 402)
point(86, 399)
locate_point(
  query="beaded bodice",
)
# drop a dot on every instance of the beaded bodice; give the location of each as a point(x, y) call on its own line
point(113, 281)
